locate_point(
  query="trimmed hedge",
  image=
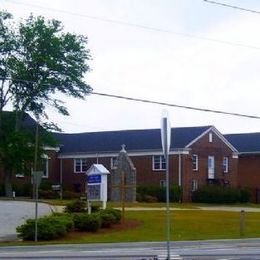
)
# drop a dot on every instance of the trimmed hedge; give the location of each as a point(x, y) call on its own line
point(59, 224)
point(154, 193)
point(115, 212)
point(50, 227)
point(76, 206)
point(85, 222)
point(218, 194)
point(107, 219)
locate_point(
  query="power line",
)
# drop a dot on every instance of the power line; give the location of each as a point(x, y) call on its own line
point(232, 6)
point(144, 27)
point(175, 105)
point(152, 101)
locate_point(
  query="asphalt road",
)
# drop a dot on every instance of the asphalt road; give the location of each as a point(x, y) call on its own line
point(15, 213)
point(217, 250)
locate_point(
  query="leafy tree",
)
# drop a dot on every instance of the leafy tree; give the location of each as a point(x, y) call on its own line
point(38, 60)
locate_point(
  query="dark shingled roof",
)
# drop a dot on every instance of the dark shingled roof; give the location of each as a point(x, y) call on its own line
point(135, 140)
point(245, 143)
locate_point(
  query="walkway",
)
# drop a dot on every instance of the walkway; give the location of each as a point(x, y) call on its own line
point(15, 213)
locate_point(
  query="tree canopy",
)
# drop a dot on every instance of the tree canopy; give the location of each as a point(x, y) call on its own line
point(38, 61)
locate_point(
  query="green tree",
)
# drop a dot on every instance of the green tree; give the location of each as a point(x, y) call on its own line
point(38, 61)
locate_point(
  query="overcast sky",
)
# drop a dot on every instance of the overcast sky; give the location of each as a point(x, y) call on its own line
point(158, 65)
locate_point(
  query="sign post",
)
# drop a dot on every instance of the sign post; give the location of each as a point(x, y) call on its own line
point(96, 185)
point(37, 178)
point(166, 142)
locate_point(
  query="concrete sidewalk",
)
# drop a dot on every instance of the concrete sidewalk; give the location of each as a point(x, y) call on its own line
point(212, 208)
point(15, 213)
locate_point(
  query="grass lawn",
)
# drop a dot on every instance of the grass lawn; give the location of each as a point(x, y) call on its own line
point(185, 225)
point(127, 204)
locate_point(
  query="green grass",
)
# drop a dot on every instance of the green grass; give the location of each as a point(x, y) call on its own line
point(110, 204)
point(185, 225)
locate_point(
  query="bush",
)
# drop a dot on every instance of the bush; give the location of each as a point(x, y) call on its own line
point(107, 219)
point(50, 227)
point(115, 212)
point(218, 194)
point(85, 222)
point(70, 195)
point(76, 206)
point(23, 190)
point(244, 195)
point(2, 190)
point(147, 193)
point(48, 194)
point(45, 185)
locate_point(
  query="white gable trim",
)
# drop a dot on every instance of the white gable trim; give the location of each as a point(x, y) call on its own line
point(219, 135)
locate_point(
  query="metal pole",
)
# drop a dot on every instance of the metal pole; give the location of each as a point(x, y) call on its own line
point(36, 213)
point(242, 223)
point(167, 207)
point(61, 180)
point(35, 181)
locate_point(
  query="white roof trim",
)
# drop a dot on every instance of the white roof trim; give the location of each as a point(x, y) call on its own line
point(220, 136)
point(50, 148)
point(100, 155)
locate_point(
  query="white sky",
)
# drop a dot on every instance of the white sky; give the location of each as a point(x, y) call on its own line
point(160, 66)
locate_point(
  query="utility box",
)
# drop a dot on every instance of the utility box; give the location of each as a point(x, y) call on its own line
point(96, 184)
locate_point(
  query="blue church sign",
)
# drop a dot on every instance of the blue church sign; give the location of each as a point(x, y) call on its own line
point(94, 178)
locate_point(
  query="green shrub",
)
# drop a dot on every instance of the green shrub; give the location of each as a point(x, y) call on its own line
point(115, 212)
point(76, 206)
point(86, 222)
point(219, 194)
point(70, 195)
point(2, 190)
point(107, 219)
point(244, 195)
point(148, 192)
point(24, 190)
point(149, 199)
point(48, 194)
point(49, 227)
point(45, 185)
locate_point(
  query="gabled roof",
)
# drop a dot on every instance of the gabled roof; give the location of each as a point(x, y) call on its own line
point(245, 143)
point(97, 169)
point(135, 140)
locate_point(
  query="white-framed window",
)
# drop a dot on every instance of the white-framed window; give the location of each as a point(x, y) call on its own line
point(113, 162)
point(45, 166)
point(211, 167)
point(225, 164)
point(80, 165)
point(194, 185)
point(210, 137)
point(159, 163)
point(195, 162)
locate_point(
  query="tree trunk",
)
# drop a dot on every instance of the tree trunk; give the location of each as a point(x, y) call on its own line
point(8, 184)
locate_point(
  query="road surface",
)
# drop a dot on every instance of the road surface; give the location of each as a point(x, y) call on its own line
point(217, 250)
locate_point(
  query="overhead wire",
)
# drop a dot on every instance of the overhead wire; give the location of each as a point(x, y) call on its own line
point(144, 27)
point(232, 6)
point(152, 101)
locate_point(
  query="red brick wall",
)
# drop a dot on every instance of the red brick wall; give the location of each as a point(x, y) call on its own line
point(203, 148)
point(249, 173)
